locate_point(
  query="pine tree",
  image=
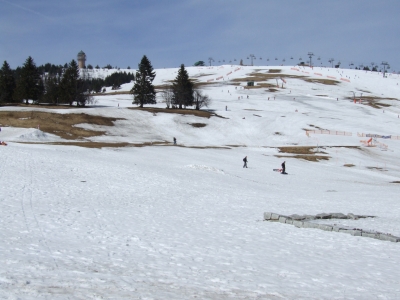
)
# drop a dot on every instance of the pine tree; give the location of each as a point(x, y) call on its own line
point(182, 88)
point(52, 90)
point(7, 83)
point(28, 85)
point(69, 84)
point(143, 89)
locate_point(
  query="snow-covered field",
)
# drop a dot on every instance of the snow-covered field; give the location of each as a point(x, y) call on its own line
point(186, 221)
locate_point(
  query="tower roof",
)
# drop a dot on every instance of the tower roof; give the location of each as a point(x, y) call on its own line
point(81, 53)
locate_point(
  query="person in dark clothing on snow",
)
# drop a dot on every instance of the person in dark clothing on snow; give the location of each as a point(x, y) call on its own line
point(245, 162)
point(283, 168)
point(174, 141)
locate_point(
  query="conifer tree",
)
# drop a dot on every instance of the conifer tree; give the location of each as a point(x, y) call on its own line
point(7, 83)
point(52, 90)
point(29, 85)
point(143, 89)
point(182, 88)
point(69, 84)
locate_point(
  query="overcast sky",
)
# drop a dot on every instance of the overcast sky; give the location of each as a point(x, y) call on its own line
point(172, 32)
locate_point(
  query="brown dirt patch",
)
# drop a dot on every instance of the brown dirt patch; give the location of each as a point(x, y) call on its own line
point(374, 101)
point(395, 182)
point(194, 112)
point(102, 144)
point(63, 125)
point(302, 152)
point(297, 150)
point(113, 93)
point(349, 165)
point(274, 70)
point(314, 158)
point(260, 85)
point(198, 125)
point(322, 81)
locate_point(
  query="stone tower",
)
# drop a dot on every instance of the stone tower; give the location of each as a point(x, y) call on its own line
point(81, 60)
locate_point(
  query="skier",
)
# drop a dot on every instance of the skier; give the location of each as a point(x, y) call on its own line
point(245, 162)
point(174, 141)
point(283, 168)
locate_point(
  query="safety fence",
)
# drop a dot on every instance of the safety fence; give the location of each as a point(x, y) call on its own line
point(320, 74)
point(391, 137)
point(331, 132)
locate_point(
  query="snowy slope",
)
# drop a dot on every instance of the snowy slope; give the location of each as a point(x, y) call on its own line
point(166, 222)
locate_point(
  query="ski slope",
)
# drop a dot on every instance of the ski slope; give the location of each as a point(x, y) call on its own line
point(186, 221)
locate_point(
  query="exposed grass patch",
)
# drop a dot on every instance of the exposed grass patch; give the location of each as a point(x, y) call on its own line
point(374, 101)
point(274, 70)
point(395, 182)
point(314, 158)
point(322, 81)
point(193, 112)
point(62, 125)
point(349, 165)
point(297, 150)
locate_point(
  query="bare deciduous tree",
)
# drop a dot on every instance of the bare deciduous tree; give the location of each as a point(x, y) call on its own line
point(167, 95)
point(200, 99)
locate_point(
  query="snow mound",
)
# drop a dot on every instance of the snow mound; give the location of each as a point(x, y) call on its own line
point(36, 135)
point(205, 168)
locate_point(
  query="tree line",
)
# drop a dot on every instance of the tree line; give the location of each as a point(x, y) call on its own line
point(53, 84)
point(181, 93)
point(66, 84)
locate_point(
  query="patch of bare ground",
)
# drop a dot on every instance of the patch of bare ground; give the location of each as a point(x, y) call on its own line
point(349, 165)
point(112, 93)
point(257, 76)
point(395, 181)
point(277, 133)
point(62, 125)
point(302, 152)
point(297, 150)
point(99, 145)
point(274, 70)
point(198, 125)
point(260, 85)
point(376, 168)
point(322, 81)
point(272, 90)
point(315, 158)
point(374, 101)
point(193, 112)
point(47, 106)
